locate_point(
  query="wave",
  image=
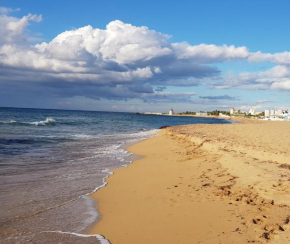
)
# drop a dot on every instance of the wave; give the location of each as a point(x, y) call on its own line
point(48, 121)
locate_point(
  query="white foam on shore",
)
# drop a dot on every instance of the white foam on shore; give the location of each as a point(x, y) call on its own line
point(98, 237)
point(122, 154)
point(104, 182)
point(91, 214)
point(145, 135)
point(141, 136)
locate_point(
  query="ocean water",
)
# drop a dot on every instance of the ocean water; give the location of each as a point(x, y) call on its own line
point(50, 160)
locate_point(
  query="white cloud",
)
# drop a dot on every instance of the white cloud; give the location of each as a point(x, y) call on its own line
point(157, 70)
point(125, 43)
point(277, 71)
point(209, 53)
point(276, 78)
point(281, 85)
point(5, 11)
point(142, 73)
point(119, 42)
point(278, 58)
point(12, 28)
point(119, 53)
point(124, 61)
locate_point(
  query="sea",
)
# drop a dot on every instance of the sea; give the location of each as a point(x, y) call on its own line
point(51, 160)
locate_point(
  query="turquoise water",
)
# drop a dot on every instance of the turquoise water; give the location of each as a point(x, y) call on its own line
point(51, 159)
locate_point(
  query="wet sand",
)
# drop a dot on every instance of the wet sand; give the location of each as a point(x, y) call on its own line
point(202, 184)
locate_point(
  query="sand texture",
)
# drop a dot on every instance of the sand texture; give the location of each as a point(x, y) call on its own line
point(202, 184)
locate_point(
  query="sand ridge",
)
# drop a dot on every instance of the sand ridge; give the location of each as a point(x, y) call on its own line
point(202, 184)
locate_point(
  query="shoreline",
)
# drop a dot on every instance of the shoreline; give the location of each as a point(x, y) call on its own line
point(145, 200)
point(110, 172)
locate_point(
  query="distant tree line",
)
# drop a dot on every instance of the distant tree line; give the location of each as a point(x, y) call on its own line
point(188, 112)
point(213, 113)
point(217, 112)
point(261, 114)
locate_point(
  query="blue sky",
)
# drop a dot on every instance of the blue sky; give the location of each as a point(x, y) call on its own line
point(261, 25)
point(175, 76)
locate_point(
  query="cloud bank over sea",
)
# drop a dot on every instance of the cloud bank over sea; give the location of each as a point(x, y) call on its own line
point(124, 62)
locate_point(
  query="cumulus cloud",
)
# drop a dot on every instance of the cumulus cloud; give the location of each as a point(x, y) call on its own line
point(281, 85)
point(124, 61)
point(279, 71)
point(119, 62)
point(276, 78)
point(12, 28)
point(209, 53)
point(121, 53)
point(278, 58)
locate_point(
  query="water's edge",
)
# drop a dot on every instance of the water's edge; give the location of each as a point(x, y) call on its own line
point(131, 159)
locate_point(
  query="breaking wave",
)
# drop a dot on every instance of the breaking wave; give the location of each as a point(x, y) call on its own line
point(48, 121)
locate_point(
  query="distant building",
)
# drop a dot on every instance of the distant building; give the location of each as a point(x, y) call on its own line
point(286, 115)
point(171, 112)
point(252, 111)
point(232, 111)
point(277, 115)
point(279, 112)
point(201, 113)
point(223, 115)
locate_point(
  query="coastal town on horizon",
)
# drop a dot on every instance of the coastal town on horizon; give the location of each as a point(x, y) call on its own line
point(268, 114)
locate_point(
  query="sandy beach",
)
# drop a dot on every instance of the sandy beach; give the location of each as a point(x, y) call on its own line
point(202, 184)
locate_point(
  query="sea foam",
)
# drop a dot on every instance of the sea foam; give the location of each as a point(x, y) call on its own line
point(48, 121)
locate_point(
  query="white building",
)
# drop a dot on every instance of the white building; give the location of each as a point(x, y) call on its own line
point(232, 111)
point(223, 115)
point(279, 112)
point(252, 111)
point(201, 113)
point(285, 115)
point(171, 112)
point(277, 115)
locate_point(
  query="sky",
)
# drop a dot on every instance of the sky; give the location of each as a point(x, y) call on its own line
point(145, 56)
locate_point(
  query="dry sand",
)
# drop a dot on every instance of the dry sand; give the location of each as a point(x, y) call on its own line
point(202, 184)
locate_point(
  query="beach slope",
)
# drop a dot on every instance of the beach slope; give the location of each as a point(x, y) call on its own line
point(202, 184)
